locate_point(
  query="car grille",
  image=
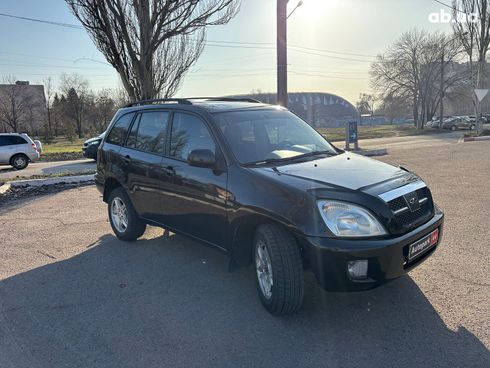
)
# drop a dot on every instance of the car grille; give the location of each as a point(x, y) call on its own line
point(407, 219)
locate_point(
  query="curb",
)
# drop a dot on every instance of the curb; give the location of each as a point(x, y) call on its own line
point(4, 188)
point(49, 181)
point(475, 139)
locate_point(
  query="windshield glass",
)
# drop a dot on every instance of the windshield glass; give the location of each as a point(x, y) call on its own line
point(261, 135)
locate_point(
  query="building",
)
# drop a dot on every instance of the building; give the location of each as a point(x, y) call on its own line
point(22, 107)
point(324, 110)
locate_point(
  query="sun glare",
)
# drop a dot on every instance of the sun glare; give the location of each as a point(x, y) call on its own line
point(313, 8)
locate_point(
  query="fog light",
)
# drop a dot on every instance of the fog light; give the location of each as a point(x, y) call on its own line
point(357, 270)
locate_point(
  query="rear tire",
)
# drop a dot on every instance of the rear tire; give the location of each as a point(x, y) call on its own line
point(123, 218)
point(19, 161)
point(279, 270)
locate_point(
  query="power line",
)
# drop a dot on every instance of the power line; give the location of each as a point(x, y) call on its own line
point(66, 25)
point(219, 43)
point(330, 56)
point(295, 46)
point(45, 66)
point(450, 6)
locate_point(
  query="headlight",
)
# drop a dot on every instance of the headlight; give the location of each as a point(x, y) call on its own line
point(348, 220)
point(94, 142)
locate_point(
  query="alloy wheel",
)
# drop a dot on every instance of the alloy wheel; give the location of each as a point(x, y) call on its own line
point(119, 214)
point(19, 161)
point(263, 267)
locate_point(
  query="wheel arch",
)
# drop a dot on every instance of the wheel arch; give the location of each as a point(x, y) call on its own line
point(19, 154)
point(109, 185)
point(243, 233)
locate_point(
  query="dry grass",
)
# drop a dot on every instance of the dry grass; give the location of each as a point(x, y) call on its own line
point(377, 131)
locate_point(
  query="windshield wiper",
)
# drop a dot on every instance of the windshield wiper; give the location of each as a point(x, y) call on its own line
point(314, 153)
point(292, 158)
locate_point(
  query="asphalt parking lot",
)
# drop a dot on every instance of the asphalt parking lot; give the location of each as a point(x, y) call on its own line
point(71, 295)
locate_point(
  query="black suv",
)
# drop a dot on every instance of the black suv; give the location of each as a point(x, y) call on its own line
point(258, 183)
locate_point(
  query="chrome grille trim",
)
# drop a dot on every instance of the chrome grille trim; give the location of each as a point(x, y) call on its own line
point(398, 192)
point(405, 209)
point(401, 210)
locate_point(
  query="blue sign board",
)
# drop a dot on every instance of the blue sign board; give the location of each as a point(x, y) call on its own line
point(352, 131)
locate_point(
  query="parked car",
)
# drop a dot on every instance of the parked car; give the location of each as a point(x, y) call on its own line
point(435, 124)
point(460, 122)
point(39, 145)
point(484, 119)
point(17, 150)
point(90, 146)
point(258, 183)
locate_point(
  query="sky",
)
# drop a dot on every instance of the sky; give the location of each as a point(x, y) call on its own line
point(331, 46)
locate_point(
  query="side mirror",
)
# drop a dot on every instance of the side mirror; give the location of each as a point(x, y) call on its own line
point(201, 158)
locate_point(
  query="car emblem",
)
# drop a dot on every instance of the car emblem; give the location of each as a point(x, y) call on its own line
point(412, 200)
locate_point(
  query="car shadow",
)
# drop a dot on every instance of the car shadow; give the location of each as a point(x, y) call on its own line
point(6, 169)
point(169, 301)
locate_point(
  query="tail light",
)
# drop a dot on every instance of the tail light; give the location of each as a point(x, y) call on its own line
point(35, 147)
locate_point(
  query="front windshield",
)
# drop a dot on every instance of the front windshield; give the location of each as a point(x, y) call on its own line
point(261, 135)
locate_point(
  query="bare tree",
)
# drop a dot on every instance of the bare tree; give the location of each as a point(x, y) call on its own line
point(149, 42)
point(366, 102)
point(412, 69)
point(472, 27)
point(49, 90)
point(394, 107)
point(15, 104)
point(105, 107)
point(75, 88)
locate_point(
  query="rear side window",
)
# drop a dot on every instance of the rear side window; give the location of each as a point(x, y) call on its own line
point(189, 133)
point(120, 129)
point(149, 132)
point(10, 140)
point(17, 140)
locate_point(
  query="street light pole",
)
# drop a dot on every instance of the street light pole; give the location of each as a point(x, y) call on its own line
point(282, 53)
point(442, 88)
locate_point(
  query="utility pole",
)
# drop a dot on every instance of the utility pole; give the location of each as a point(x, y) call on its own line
point(441, 112)
point(282, 52)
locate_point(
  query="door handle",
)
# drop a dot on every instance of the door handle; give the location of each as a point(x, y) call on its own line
point(169, 171)
point(127, 159)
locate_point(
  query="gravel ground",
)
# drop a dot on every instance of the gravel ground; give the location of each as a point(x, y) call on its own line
point(71, 295)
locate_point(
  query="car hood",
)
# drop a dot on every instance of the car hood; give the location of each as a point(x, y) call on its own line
point(345, 170)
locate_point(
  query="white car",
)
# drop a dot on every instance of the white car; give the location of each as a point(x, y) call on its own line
point(17, 150)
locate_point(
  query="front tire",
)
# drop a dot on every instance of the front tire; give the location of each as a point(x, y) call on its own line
point(19, 162)
point(279, 270)
point(124, 221)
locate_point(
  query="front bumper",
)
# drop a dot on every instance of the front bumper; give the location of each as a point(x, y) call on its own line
point(387, 258)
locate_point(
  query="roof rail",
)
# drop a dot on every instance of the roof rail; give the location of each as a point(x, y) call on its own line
point(226, 99)
point(182, 101)
point(188, 101)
